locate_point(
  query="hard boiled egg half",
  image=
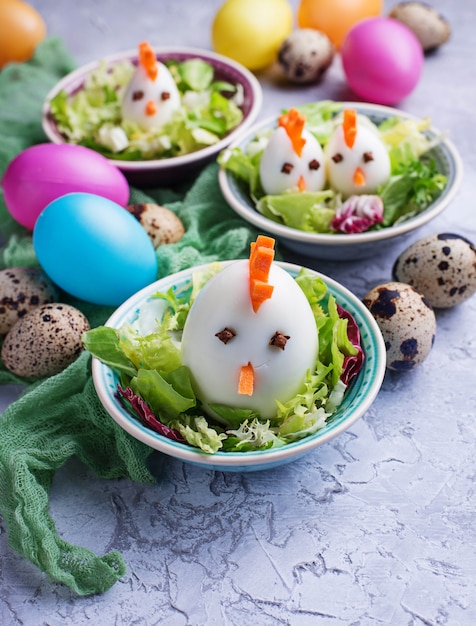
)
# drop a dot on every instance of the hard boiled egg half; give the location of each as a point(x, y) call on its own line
point(152, 97)
point(293, 159)
point(356, 157)
point(245, 349)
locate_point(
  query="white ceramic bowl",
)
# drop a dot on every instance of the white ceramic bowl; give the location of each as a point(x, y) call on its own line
point(171, 170)
point(358, 398)
point(342, 247)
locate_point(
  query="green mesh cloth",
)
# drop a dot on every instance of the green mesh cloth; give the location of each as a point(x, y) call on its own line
point(62, 416)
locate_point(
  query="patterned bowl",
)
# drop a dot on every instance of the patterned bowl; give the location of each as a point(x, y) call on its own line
point(168, 170)
point(359, 396)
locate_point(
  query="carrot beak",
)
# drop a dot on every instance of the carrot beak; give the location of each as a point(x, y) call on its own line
point(246, 380)
point(150, 108)
point(359, 177)
point(301, 184)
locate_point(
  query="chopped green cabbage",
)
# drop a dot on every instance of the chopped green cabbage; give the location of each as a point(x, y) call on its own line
point(92, 116)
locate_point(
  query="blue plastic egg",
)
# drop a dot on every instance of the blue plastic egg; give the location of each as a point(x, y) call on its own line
point(94, 249)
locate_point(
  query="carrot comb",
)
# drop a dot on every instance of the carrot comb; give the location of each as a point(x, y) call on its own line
point(349, 126)
point(261, 258)
point(147, 60)
point(293, 123)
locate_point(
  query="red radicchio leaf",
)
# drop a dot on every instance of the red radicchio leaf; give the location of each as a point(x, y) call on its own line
point(144, 413)
point(357, 214)
point(352, 363)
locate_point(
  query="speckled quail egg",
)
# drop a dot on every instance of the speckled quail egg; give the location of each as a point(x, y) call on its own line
point(45, 341)
point(442, 266)
point(406, 320)
point(305, 55)
point(160, 223)
point(22, 289)
point(429, 27)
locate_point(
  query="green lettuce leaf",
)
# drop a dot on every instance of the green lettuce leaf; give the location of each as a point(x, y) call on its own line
point(167, 395)
point(103, 343)
point(157, 350)
point(252, 435)
point(410, 190)
point(307, 211)
point(199, 434)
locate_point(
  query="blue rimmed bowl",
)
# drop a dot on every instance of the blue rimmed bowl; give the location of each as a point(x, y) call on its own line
point(358, 398)
point(344, 247)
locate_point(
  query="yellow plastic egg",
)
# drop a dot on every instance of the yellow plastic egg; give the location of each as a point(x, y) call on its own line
point(251, 32)
point(21, 30)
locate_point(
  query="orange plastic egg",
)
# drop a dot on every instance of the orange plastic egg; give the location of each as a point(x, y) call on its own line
point(21, 30)
point(336, 17)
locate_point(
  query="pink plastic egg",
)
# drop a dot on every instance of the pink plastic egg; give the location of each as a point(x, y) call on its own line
point(44, 172)
point(382, 60)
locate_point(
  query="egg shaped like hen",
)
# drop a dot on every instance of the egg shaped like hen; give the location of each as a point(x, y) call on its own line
point(250, 336)
point(293, 159)
point(151, 97)
point(357, 159)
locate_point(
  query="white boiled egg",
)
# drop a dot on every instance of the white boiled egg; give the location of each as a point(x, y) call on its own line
point(281, 168)
point(359, 163)
point(152, 97)
point(223, 333)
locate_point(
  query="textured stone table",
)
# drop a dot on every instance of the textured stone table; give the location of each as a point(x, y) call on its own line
point(375, 527)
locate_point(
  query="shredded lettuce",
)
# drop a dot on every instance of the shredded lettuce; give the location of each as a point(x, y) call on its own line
point(252, 435)
point(157, 389)
point(410, 189)
point(198, 433)
point(414, 184)
point(92, 116)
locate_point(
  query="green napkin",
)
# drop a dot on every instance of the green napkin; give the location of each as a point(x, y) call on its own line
point(62, 416)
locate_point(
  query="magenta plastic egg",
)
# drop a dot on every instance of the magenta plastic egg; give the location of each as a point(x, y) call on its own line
point(382, 60)
point(94, 249)
point(44, 172)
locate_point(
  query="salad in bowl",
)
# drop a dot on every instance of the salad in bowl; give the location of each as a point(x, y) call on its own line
point(337, 175)
point(246, 359)
point(153, 109)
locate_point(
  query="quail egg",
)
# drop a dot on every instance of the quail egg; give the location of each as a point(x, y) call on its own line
point(44, 341)
point(441, 266)
point(21, 290)
point(429, 27)
point(160, 223)
point(305, 55)
point(406, 320)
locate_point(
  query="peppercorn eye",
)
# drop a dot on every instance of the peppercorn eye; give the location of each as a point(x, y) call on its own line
point(367, 157)
point(337, 158)
point(225, 335)
point(279, 340)
point(287, 168)
point(314, 164)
